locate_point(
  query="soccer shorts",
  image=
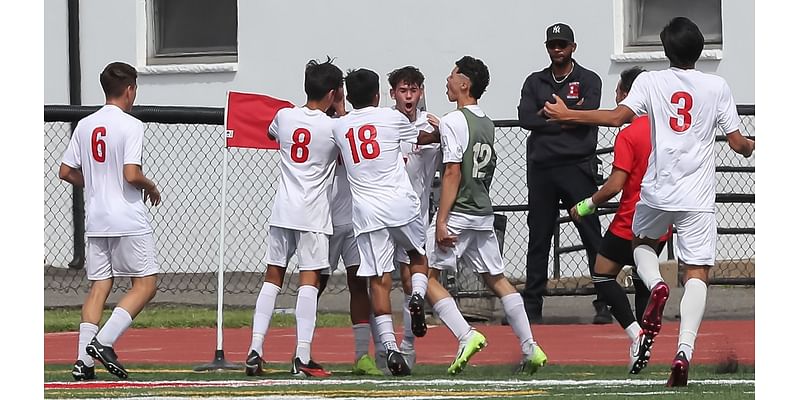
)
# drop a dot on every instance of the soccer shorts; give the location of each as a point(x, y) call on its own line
point(620, 250)
point(401, 255)
point(124, 256)
point(311, 248)
point(696, 231)
point(342, 245)
point(476, 249)
point(377, 248)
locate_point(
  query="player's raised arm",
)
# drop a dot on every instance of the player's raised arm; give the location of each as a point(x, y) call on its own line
point(559, 112)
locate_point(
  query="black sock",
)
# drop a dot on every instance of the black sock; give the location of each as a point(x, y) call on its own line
point(642, 297)
point(613, 294)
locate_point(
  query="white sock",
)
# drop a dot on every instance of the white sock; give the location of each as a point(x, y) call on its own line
point(87, 331)
point(647, 267)
point(305, 313)
point(376, 335)
point(361, 335)
point(518, 319)
point(633, 330)
point(116, 325)
point(408, 335)
point(449, 314)
point(386, 331)
point(693, 305)
point(265, 305)
point(419, 284)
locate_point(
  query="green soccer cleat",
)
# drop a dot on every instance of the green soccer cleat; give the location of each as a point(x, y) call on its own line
point(475, 343)
point(366, 366)
point(533, 362)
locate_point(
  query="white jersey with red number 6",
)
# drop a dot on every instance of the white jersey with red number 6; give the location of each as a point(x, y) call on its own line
point(101, 145)
point(685, 108)
point(308, 156)
point(369, 140)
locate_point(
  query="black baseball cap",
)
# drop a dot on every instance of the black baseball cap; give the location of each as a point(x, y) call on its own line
point(560, 31)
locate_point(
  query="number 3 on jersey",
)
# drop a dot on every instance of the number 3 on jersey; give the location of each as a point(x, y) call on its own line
point(481, 155)
point(684, 101)
point(98, 144)
point(301, 138)
point(369, 147)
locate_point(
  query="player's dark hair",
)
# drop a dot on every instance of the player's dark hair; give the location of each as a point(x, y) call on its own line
point(321, 78)
point(477, 72)
point(682, 41)
point(408, 74)
point(116, 77)
point(627, 77)
point(362, 86)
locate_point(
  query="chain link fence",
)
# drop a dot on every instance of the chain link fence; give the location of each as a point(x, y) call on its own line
point(183, 154)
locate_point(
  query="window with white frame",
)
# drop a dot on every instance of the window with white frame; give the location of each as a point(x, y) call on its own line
point(192, 31)
point(644, 20)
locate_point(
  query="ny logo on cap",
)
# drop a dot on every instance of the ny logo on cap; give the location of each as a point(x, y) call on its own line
point(557, 29)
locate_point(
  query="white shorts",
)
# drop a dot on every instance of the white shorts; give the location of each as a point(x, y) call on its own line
point(401, 255)
point(311, 248)
point(342, 245)
point(377, 248)
point(476, 249)
point(696, 231)
point(125, 256)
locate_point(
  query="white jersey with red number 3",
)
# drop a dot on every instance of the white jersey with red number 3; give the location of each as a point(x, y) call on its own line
point(685, 108)
point(308, 158)
point(369, 140)
point(101, 145)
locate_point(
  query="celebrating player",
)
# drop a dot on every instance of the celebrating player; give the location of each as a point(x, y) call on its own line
point(631, 151)
point(386, 211)
point(685, 107)
point(464, 228)
point(301, 218)
point(104, 157)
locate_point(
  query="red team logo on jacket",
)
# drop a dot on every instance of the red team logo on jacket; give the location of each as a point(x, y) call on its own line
point(574, 90)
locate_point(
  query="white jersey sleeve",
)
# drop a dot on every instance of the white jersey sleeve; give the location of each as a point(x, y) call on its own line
point(727, 116)
point(273, 127)
point(133, 146)
point(408, 131)
point(72, 156)
point(637, 99)
point(452, 129)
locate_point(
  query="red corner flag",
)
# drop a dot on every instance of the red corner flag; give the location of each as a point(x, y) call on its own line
point(247, 119)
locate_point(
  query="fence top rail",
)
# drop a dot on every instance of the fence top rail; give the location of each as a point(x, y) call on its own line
point(215, 115)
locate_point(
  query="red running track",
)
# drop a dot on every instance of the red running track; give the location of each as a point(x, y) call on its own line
point(564, 344)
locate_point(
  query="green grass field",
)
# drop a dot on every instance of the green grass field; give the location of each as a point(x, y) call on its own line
point(427, 382)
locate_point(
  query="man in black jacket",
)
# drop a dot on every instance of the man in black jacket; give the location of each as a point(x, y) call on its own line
point(562, 165)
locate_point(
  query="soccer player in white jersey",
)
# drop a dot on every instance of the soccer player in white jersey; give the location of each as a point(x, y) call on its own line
point(104, 157)
point(464, 224)
point(685, 107)
point(300, 222)
point(407, 88)
point(386, 211)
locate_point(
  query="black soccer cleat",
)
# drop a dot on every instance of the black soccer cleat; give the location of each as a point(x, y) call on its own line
point(82, 372)
point(416, 307)
point(397, 363)
point(107, 356)
point(253, 366)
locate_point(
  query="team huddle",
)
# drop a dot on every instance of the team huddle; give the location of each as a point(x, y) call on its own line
point(354, 186)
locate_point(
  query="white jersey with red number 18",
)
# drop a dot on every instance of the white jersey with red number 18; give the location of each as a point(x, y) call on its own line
point(101, 145)
point(685, 108)
point(369, 140)
point(308, 158)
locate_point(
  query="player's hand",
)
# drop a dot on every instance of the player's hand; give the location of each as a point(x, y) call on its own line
point(154, 195)
point(573, 213)
point(556, 111)
point(444, 238)
point(433, 121)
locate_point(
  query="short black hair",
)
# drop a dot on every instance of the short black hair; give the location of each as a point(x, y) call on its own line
point(321, 78)
point(627, 77)
point(362, 86)
point(682, 41)
point(408, 74)
point(477, 72)
point(116, 77)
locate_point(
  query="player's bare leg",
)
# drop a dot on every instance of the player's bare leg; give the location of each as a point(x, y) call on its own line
point(265, 305)
point(533, 357)
point(91, 314)
point(693, 305)
point(418, 268)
